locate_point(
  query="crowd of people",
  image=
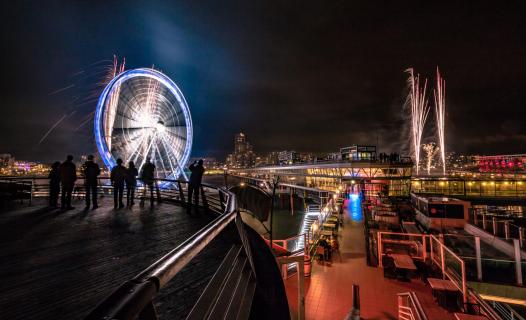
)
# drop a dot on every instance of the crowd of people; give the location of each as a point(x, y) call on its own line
point(63, 176)
point(391, 157)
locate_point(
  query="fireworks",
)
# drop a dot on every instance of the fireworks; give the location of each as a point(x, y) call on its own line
point(440, 111)
point(419, 111)
point(431, 150)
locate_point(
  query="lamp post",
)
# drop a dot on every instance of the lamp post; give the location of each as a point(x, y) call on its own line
point(274, 186)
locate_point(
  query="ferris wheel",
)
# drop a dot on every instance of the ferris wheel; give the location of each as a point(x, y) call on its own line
point(142, 114)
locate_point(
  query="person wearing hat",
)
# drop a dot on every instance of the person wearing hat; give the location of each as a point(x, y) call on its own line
point(91, 172)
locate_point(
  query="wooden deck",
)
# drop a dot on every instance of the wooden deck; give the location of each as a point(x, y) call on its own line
point(59, 265)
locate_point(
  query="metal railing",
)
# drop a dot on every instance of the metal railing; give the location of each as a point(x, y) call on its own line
point(409, 307)
point(134, 299)
point(450, 264)
point(499, 227)
point(211, 197)
point(505, 311)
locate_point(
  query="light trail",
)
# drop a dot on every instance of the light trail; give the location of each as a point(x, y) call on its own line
point(61, 89)
point(51, 129)
point(419, 111)
point(440, 112)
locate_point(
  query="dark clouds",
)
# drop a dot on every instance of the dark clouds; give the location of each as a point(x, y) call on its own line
point(308, 76)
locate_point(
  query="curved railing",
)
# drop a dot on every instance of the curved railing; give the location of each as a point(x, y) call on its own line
point(212, 197)
point(134, 298)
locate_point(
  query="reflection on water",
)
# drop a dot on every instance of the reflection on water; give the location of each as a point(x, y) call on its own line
point(354, 206)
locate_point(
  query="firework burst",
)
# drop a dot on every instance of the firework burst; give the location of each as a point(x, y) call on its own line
point(440, 111)
point(417, 100)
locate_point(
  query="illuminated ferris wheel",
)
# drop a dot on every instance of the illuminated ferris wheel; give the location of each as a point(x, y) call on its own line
point(142, 114)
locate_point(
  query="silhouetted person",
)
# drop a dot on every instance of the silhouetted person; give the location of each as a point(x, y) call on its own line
point(148, 177)
point(54, 184)
point(194, 185)
point(117, 177)
point(68, 176)
point(131, 183)
point(91, 172)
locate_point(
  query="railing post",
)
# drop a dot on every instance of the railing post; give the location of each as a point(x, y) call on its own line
point(521, 235)
point(301, 290)
point(424, 247)
point(442, 261)
point(484, 223)
point(203, 198)
point(157, 191)
point(221, 200)
point(479, 259)
point(464, 285)
point(518, 266)
point(181, 193)
point(475, 217)
point(494, 226)
point(284, 266)
point(379, 245)
point(507, 229)
point(355, 312)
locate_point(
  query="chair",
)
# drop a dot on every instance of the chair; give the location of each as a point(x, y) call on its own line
point(320, 253)
point(389, 267)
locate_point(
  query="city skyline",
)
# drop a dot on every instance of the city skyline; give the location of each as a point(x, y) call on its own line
point(338, 86)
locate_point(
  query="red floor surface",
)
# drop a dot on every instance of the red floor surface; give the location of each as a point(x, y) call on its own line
point(328, 293)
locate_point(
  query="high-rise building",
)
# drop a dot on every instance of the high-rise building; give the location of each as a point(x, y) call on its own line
point(243, 155)
point(288, 157)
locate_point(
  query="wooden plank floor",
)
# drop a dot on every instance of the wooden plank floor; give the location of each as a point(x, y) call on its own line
point(59, 265)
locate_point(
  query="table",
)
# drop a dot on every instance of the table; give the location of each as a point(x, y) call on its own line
point(464, 316)
point(329, 225)
point(326, 233)
point(404, 266)
point(440, 284)
point(403, 261)
point(446, 292)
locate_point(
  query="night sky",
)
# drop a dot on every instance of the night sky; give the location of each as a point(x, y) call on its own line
point(291, 75)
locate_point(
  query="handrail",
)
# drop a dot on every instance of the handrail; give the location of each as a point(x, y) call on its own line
point(413, 310)
point(484, 307)
point(145, 286)
point(164, 269)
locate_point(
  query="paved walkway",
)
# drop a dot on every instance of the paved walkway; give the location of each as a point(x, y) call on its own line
point(59, 265)
point(328, 290)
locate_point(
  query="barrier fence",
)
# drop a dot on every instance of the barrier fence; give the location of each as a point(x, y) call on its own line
point(498, 226)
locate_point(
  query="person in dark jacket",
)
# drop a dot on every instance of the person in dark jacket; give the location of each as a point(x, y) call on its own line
point(68, 176)
point(54, 184)
point(118, 176)
point(91, 171)
point(148, 178)
point(131, 183)
point(197, 171)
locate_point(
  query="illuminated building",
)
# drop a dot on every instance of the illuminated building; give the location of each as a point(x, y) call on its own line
point(243, 155)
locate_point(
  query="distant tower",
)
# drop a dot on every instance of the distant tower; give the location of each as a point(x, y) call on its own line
point(240, 143)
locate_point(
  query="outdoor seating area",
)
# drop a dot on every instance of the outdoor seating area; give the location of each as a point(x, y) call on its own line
point(446, 293)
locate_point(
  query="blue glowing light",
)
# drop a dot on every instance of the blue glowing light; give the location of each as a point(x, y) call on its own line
point(355, 207)
point(102, 105)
